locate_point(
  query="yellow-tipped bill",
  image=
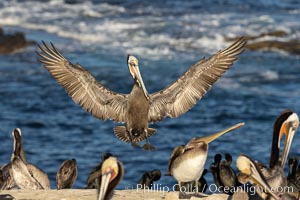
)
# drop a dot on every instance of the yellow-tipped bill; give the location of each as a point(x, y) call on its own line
point(104, 184)
point(212, 137)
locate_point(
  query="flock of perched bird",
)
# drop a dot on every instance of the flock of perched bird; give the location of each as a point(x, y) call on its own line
point(186, 165)
point(137, 110)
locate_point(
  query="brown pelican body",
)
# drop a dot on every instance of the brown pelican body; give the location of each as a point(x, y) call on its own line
point(26, 175)
point(138, 108)
point(66, 174)
point(93, 178)
point(29, 176)
point(112, 171)
point(8, 181)
point(147, 179)
point(191, 187)
point(186, 163)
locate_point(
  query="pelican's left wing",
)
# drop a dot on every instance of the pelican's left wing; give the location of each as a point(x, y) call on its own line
point(183, 94)
point(177, 151)
point(82, 86)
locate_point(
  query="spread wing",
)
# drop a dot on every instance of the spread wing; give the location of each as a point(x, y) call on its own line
point(182, 95)
point(82, 86)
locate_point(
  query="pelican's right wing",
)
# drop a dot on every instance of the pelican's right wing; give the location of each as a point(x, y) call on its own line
point(82, 86)
point(182, 95)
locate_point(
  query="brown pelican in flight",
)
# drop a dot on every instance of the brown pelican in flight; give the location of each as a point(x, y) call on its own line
point(138, 108)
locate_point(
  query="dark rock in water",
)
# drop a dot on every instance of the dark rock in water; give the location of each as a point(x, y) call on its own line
point(73, 1)
point(12, 43)
point(273, 33)
point(291, 46)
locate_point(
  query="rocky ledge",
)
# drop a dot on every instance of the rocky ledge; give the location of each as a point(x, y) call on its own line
point(10, 43)
point(91, 194)
point(278, 41)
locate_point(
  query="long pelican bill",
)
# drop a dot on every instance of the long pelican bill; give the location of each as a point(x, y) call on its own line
point(247, 167)
point(213, 137)
point(109, 171)
point(134, 69)
point(288, 129)
point(104, 185)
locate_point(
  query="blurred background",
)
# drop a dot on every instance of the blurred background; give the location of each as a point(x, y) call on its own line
point(167, 37)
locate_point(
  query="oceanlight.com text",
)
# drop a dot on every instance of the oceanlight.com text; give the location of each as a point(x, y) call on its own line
point(212, 188)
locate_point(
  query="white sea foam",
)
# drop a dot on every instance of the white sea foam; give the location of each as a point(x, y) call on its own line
point(270, 75)
point(110, 27)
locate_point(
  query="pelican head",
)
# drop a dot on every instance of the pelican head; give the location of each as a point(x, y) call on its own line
point(16, 133)
point(112, 172)
point(250, 172)
point(18, 148)
point(287, 124)
point(133, 65)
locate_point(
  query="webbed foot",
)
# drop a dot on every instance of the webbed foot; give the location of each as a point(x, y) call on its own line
point(148, 147)
point(136, 145)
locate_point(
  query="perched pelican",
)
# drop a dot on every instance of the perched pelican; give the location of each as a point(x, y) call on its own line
point(22, 175)
point(66, 174)
point(93, 179)
point(251, 173)
point(286, 124)
point(8, 181)
point(147, 179)
point(138, 108)
point(186, 163)
point(26, 175)
point(112, 171)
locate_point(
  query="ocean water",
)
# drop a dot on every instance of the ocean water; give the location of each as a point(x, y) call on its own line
point(167, 37)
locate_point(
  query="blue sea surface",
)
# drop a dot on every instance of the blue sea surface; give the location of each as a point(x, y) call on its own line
point(167, 37)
